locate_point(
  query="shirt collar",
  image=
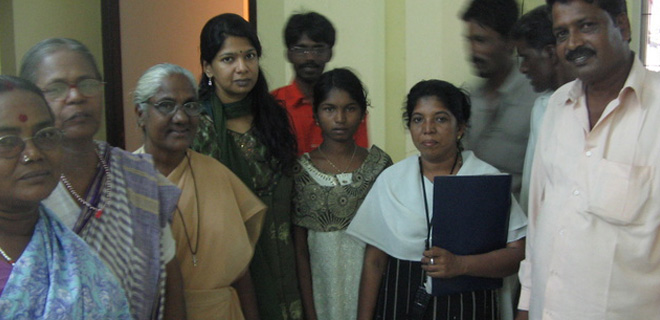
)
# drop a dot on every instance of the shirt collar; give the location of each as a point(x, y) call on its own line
point(297, 96)
point(512, 81)
point(634, 84)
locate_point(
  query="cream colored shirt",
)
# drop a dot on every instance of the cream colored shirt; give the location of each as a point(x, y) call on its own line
point(593, 244)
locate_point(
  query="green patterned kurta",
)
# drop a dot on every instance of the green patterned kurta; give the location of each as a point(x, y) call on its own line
point(273, 267)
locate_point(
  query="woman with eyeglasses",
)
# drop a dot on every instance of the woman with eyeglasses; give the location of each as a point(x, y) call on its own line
point(116, 201)
point(244, 127)
point(46, 271)
point(218, 219)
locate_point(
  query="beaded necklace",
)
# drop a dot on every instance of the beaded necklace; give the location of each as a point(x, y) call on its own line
point(7, 257)
point(106, 188)
point(185, 229)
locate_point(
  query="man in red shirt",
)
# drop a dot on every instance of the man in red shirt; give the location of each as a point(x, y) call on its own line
point(309, 38)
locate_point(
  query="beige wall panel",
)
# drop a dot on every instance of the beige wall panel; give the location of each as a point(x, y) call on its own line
point(157, 31)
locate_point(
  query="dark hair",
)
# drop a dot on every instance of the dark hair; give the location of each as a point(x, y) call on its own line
point(535, 28)
point(212, 38)
point(499, 15)
point(455, 99)
point(10, 83)
point(314, 25)
point(612, 7)
point(33, 58)
point(270, 120)
point(342, 79)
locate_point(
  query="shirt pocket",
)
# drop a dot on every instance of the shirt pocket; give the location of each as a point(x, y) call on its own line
point(618, 191)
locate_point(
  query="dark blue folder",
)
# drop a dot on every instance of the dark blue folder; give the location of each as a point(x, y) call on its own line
point(470, 216)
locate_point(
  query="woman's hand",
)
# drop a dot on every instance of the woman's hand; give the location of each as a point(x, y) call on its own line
point(440, 263)
point(495, 264)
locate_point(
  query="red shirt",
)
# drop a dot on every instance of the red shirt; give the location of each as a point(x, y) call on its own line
point(308, 133)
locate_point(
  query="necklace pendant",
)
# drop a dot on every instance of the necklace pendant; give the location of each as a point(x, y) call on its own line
point(345, 178)
point(98, 213)
point(194, 260)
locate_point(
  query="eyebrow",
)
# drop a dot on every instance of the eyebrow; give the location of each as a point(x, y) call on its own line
point(437, 113)
point(9, 130)
point(237, 52)
point(171, 99)
point(62, 80)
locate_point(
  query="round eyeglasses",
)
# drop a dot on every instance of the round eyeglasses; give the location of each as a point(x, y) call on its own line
point(86, 87)
point(45, 139)
point(168, 108)
point(314, 51)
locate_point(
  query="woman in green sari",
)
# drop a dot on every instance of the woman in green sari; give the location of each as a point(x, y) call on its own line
point(243, 126)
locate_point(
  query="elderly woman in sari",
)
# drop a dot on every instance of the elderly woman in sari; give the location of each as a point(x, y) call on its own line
point(218, 219)
point(46, 271)
point(116, 201)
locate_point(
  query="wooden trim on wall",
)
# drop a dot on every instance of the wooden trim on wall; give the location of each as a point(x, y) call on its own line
point(252, 12)
point(112, 73)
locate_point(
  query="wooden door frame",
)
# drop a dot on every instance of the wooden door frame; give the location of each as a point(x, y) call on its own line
point(112, 71)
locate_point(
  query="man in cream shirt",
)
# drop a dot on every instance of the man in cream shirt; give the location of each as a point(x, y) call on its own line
point(594, 226)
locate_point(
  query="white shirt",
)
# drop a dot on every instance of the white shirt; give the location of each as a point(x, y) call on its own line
point(593, 244)
point(538, 111)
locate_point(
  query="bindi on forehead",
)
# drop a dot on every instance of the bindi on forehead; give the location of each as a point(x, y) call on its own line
point(22, 117)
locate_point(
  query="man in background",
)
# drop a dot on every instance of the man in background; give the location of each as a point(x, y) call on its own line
point(535, 44)
point(502, 103)
point(594, 219)
point(309, 38)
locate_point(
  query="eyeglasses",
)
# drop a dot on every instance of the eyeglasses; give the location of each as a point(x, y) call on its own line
point(45, 139)
point(86, 87)
point(315, 51)
point(168, 108)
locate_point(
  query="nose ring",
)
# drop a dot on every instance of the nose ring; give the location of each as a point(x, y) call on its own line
point(26, 159)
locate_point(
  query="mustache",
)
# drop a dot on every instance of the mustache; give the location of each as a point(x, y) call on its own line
point(580, 51)
point(310, 64)
point(476, 59)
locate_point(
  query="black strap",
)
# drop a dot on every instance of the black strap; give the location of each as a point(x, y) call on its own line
point(426, 207)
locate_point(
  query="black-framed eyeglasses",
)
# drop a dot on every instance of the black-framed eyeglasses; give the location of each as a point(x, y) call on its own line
point(315, 51)
point(59, 90)
point(169, 108)
point(45, 139)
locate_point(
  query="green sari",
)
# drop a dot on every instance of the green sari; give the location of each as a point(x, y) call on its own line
point(273, 268)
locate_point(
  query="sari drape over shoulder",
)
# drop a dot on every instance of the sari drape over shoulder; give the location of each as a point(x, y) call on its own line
point(59, 277)
point(128, 236)
point(230, 219)
point(273, 267)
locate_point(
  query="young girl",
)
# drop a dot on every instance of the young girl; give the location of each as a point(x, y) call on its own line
point(330, 184)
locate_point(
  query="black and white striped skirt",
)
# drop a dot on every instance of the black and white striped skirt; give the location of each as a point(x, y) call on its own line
point(400, 283)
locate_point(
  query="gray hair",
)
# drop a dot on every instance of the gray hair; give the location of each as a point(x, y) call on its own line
point(33, 58)
point(149, 83)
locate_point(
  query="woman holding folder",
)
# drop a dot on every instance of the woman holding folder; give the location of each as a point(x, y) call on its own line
point(394, 222)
